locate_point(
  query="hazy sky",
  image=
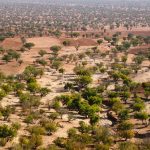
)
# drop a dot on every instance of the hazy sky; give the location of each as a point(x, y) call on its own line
point(74, 1)
point(64, 2)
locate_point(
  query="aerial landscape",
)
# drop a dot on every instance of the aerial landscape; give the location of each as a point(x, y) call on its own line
point(74, 74)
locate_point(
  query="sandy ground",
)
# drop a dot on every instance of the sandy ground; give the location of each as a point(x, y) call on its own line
point(41, 43)
point(44, 42)
point(142, 77)
point(11, 43)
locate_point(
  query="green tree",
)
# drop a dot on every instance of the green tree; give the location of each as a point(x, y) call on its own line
point(42, 53)
point(138, 106)
point(56, 64)
point(102, 135)
point(33, 87)
point(117, 107)
point(55, 48)
point(72, 132)
point(54, 116)
point(37, 130)
point(50, 126)
point(6, 58)
point(83, 81)
point(42, 62)
point(124, 115)
point(125, 130)
point(16, 56)
point(100, 41)
point(2, 38)
point(44, 91)
point(29, 45)
point(94, 119)
point(84, 128)
point(57, 33)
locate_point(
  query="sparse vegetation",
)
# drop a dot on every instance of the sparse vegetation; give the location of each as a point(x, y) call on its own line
point(74, 76)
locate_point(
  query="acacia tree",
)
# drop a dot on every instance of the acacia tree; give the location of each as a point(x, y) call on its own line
point(55, 49)
point(42, 53)
point(42, 62)
point(29, 45)
point(100, 41)
point(138, 60)
point(6, 58)
point(17, 56)
point(56, 64)
point(83, 81)
point(2, 38)
point(44, 91)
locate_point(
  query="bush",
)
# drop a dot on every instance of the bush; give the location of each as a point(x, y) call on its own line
point(66, 43)
point(7, 111)
point(35, 141)
point(72, 133)
point(6, 132)
point(37, 130)
point(127, 146)
point(84, 128)
point(138, 106)
point(124, 114)
point(54, 115)
point(42, 53)
point(94, 119)
point(102, 147)
point(2, 94)
point(33, 87)
point(29, 119)
point(102, 135)
point(2, 38)
point(100, 41)
point(16, 125)
point(141, 116)
point(50, 126)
